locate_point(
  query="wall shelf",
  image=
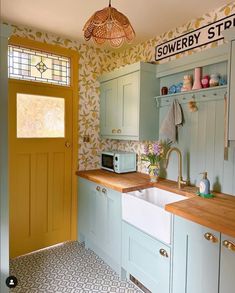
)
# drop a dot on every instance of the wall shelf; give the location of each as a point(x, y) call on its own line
point(202, 95)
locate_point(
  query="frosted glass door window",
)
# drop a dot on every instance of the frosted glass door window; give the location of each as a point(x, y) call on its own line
point(40, 116)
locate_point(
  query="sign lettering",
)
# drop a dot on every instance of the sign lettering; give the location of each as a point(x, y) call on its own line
point(202, 36)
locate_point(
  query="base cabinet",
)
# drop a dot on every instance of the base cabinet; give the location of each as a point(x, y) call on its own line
point(203, 259)
point(227, 264)
point(99, 221)
point(146, 259)
point(195, 258)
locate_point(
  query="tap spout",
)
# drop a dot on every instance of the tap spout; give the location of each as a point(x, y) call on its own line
point(180, 177)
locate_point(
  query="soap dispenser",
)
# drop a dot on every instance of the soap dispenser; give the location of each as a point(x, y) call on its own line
point(204, 185)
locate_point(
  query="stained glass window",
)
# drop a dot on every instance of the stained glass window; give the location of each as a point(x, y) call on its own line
point(38, 66)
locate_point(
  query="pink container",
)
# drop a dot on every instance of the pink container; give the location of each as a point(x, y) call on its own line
point(197, 78)
point(205, 81)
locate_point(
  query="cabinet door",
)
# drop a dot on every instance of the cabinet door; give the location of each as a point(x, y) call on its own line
point(113, 225)
point(97, 216)
point(143, 257)
point(195, 258)
point(227, 265)
point(109, 108)
point(129, 99)
point(84, 193)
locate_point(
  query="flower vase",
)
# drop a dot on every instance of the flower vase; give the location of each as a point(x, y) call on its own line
point(197, 79)
point(153, 173)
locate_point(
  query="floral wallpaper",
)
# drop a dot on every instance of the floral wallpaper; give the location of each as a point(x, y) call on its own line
point(94, 61)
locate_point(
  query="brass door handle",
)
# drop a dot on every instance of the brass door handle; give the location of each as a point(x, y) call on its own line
point(104, 190)
point(114, 130)
point(229, 245)
point(210, 237)
point(163, 252)
point(119, 131)
point(67, 144)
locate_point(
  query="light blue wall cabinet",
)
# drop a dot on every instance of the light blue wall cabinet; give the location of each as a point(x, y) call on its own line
point(196, 256)
point(127, 108)
point(99, 221)
point(146, 259)
point(227, 265)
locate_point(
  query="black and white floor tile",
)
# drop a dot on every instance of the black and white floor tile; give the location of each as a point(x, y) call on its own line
point(67, 268)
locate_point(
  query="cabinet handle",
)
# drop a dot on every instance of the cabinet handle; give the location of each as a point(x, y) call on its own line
point(229, 245)
point(114, 130)
point(210, 237)
point(98, 188)
point(119, 131)
point(104, 190)
point(163, 252)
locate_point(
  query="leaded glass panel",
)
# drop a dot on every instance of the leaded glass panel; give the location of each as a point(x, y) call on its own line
point(38, 66)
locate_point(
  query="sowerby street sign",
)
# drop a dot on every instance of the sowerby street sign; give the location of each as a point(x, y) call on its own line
point(197, 38)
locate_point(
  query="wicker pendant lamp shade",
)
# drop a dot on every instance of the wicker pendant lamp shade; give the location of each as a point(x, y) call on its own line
point(109, 25)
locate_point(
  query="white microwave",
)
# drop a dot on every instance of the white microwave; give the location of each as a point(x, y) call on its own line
point(118, 161)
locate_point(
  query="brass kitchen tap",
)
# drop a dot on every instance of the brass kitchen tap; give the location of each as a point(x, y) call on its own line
point(180, 178)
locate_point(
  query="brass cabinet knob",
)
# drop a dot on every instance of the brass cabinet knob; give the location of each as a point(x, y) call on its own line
point(119, 131)
point(114, 130)
point(229, 245)
point(210, 237)
point(163, 252)
point(104, 190)
point(67, 144)
point(98, 188)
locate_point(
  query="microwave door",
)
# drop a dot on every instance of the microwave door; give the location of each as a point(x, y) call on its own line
point(107, 162)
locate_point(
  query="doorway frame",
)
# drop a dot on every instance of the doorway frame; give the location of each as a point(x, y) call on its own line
point(74, 59)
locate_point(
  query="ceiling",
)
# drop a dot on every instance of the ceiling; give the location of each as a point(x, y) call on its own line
point(67, 17)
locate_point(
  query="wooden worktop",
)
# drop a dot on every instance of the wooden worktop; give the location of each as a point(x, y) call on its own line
point(120, 182)
point(217, 213)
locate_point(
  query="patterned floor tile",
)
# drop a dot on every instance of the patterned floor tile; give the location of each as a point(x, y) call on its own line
point(68, 268)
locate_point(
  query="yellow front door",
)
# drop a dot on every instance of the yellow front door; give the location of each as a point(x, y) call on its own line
point(40, 138)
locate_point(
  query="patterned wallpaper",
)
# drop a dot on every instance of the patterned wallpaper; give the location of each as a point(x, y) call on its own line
point(94, 61)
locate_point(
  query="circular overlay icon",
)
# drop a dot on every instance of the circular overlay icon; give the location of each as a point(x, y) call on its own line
point(11, 282)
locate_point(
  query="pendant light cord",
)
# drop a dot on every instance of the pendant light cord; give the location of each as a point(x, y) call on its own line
point(109, 3)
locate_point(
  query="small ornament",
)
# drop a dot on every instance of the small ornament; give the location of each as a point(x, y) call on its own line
point(187, 83)
point(214, 80)
point(223, 80)
point(197, 78)
point(172, 89)
point(192, 105)
point(178, 87)
point(164, 90)
point(205, 81)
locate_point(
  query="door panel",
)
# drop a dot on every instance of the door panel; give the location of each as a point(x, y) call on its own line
point(227, 264)
point(128, 93)
point(40, 166)
point(108, 108)
point(195, 255)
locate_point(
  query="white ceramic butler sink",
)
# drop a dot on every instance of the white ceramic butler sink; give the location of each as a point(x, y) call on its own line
point(145, 210)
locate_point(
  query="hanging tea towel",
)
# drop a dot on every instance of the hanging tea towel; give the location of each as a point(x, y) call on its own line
point(173, 119)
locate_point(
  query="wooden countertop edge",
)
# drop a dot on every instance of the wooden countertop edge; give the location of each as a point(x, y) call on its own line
point(217, 226)
point(118, 183)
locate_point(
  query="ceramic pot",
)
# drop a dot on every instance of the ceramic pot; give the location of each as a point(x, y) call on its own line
point(214, 80)
point(197, 78)
point(205, 81)
point(187, 83)
point(164, 90)
point(153, 173)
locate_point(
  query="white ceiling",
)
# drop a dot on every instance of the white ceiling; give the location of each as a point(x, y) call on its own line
point(67, 17)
